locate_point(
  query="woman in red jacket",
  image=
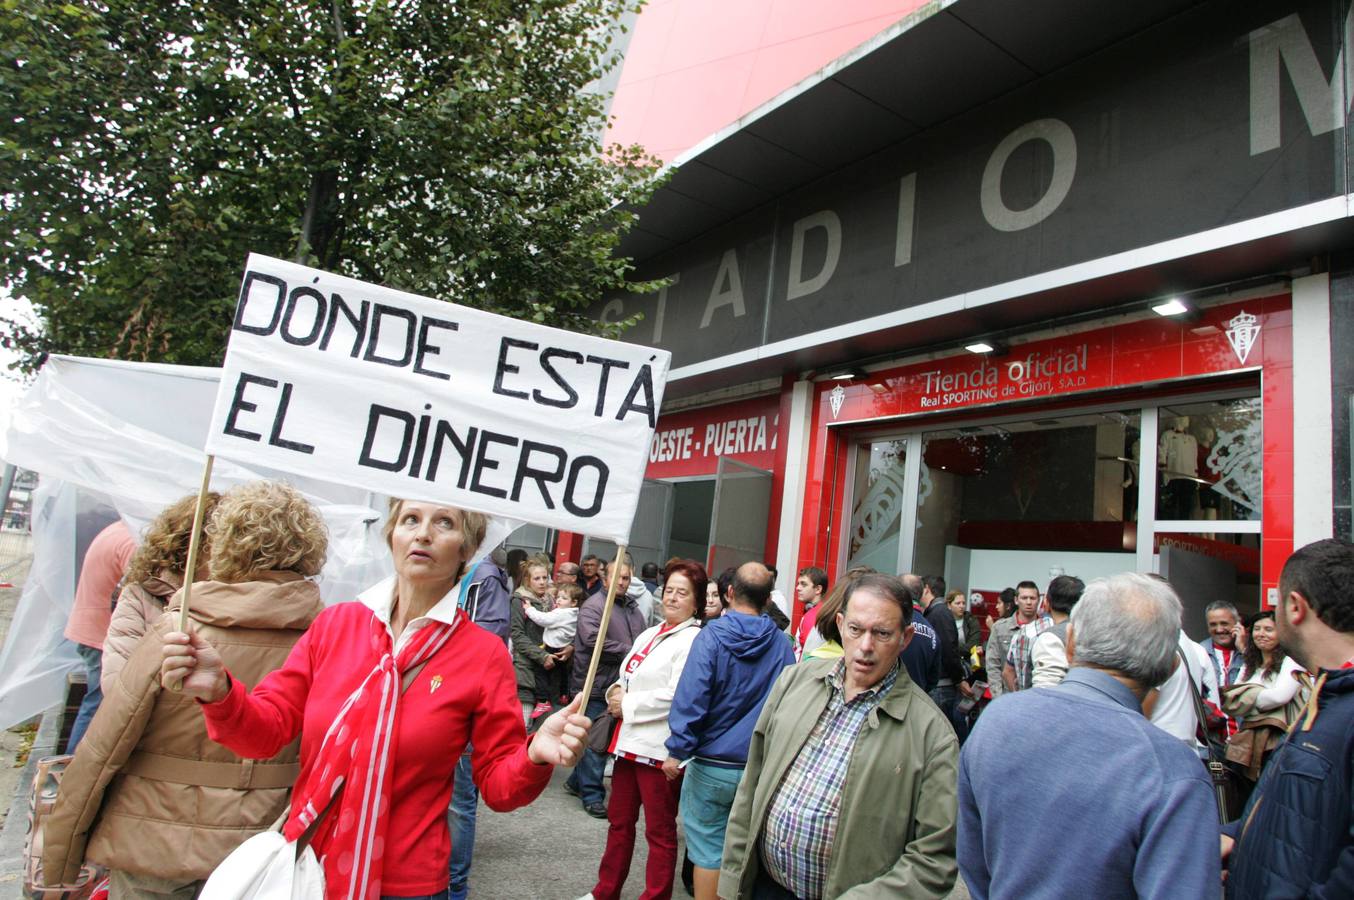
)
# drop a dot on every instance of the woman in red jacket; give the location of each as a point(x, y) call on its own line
point(391, 752)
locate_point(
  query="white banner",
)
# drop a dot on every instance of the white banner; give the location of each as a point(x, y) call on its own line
point(349, 382)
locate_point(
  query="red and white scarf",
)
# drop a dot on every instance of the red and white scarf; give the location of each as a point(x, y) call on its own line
point(358, 752)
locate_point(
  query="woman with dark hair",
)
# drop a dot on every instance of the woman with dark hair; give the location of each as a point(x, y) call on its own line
point(1266, 699)
point(714, 603)
point(385, 694)
point(641, 701)
point(966, 623)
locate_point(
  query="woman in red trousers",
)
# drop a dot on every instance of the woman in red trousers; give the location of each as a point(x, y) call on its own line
point(642, 700)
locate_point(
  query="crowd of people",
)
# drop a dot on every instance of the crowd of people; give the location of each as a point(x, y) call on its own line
point(896, 736)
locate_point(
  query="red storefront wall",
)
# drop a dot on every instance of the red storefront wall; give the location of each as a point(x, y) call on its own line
point(1141, 354)
point(690, 443)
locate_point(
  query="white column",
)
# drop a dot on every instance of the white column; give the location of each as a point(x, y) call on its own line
point(1313, 491)
point(796, 434)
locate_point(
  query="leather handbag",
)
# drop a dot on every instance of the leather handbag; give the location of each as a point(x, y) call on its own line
point(41, 800)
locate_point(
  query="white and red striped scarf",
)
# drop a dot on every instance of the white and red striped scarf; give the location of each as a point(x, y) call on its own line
point(358, 752)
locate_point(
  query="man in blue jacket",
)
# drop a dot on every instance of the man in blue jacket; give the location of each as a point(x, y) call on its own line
point(1296, 837)
point(921, 656)
point(728, 675)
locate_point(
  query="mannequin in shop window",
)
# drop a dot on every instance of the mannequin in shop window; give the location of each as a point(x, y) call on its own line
point(1178, 459)
point(1130, 483)
point(1209, 500)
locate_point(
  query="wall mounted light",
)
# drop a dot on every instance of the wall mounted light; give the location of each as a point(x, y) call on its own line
point(1172, 307)
point(848, 375)
point(987, 345)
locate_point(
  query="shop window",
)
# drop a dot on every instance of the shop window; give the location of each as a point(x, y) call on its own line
point(880, 485)
point(1209, 461)
point(1049, 491)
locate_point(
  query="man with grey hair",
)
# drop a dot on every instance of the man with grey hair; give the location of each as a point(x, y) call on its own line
point(568, 573)
point(1224, 623)
point(1134, 809)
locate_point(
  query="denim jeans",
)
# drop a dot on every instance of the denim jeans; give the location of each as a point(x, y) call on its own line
point(465, 800)
point(947, 698)
point(587, 776)
point(93, 660)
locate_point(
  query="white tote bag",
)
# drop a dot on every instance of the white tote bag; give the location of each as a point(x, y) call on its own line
point(266, 867)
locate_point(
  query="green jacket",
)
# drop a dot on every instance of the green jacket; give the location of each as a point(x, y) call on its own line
point(528, 649)
point(896, 828)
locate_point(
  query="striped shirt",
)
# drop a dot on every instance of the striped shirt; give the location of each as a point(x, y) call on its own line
point(1021, 655)
point(801, 822)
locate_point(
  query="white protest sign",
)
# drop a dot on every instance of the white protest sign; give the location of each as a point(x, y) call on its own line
point(358, 384)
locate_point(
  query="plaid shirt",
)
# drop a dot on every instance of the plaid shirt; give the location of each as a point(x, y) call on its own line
point(801, 822)
point(1020, 656)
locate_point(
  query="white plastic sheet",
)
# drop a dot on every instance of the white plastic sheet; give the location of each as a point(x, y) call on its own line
point(128, 437)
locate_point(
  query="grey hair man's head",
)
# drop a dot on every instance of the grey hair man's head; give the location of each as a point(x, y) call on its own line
point(913, 585)
point(1129, 624)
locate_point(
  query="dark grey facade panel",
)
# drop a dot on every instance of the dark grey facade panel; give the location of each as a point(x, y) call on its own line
point(1169, 133)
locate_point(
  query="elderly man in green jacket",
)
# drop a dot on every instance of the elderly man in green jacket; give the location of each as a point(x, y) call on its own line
point(850, 786)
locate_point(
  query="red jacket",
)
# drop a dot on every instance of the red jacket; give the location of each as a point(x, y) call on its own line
point(465, 693)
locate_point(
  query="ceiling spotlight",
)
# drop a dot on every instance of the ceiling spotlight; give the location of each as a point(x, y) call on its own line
point(979, 347)
point(1172, 307)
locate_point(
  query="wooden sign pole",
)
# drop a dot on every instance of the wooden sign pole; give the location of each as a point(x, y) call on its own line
point(613, 574)
point(194, 546)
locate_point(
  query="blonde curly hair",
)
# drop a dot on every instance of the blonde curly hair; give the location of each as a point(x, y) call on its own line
point(474, 525)
point(262, 526)
point(166, 543)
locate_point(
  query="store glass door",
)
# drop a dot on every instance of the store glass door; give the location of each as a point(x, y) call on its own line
point(738, 520)
point(648, 534)
point(1088, 491)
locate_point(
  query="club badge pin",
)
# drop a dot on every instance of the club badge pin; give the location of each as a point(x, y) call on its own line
point(434, 684)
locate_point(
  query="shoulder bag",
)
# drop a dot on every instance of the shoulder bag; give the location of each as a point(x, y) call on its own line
point(268, 866)
point(1225, 788)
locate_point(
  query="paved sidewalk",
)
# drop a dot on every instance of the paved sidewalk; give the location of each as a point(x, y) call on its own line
point(550, 850)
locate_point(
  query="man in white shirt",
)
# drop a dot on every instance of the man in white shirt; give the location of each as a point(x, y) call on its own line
point(1048, 653)
point(778, 608)
point(1170, 707)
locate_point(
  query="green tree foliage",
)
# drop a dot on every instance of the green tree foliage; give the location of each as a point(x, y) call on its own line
point(445, 147)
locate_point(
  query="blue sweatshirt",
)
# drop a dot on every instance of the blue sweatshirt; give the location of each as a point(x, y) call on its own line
point(729, 672)
point(1068, 791)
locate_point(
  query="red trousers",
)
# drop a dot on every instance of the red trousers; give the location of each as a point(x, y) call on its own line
point(633, 785)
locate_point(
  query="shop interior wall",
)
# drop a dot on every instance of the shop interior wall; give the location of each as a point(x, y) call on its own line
point(693, 501)
point(992, 570)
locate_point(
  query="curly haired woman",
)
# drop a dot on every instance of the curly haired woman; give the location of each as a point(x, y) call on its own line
point(153, 575)
point(149, 794)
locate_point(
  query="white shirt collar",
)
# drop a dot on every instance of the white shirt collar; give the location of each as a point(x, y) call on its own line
point(380, 599)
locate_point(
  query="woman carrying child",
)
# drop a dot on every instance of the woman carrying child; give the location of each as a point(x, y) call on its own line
point(560, 624)
point(531, 662)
